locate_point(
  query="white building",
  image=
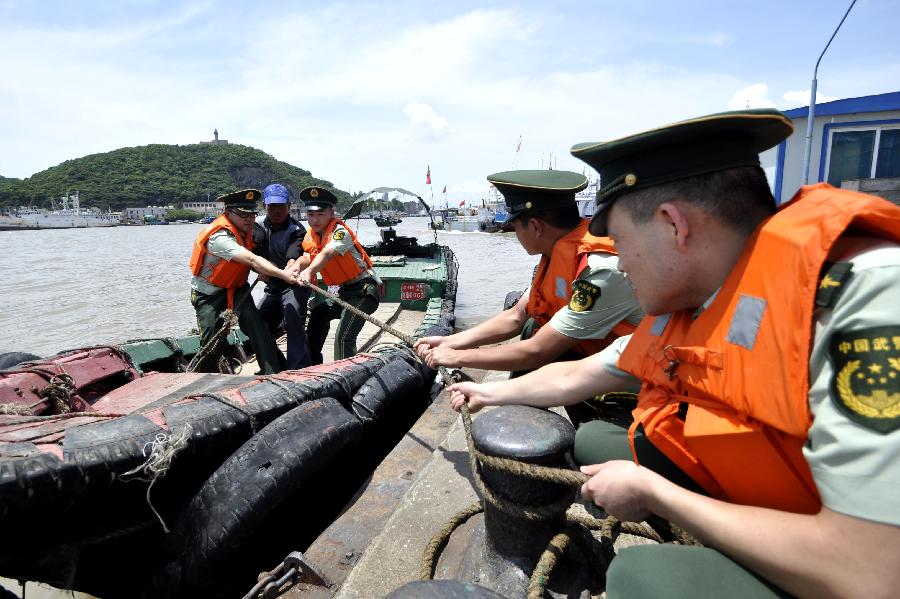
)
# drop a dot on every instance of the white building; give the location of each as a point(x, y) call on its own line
point(138, 214)
point(855, 144)
point(210, 208)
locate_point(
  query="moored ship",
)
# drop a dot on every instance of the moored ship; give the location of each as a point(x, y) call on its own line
point(71, 216)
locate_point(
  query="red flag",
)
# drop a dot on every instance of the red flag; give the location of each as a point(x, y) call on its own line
point(428, 176)
point(463, 203)
point(445, 189)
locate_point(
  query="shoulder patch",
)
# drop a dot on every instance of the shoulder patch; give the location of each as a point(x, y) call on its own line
point(866, 381)
point(584, 295)
point(339, 234)
point(832, 283)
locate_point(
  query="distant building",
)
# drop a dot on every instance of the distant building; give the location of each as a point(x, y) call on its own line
point(855, 144)
point(205, 208)
point(411, 207)
point(139, 214)
point(215, 140)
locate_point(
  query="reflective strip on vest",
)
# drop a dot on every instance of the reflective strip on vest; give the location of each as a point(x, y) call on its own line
point(742, 365)
point(226, 274)
point(340, 268)
point(659, 324)
point(746, 320)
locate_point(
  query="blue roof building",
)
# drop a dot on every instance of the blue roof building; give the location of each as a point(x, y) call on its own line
point(856, 141)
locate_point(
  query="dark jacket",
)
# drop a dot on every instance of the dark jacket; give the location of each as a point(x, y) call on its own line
point(278, 246)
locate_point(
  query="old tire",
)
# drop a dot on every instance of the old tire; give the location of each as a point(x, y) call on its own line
point(512, 298)
point(14, 358)
point(234, 501)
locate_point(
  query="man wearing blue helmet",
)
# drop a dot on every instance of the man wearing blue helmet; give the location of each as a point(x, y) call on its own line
point(277, 236)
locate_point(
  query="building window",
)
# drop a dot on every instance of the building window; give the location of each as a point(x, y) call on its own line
point(863, 154)
point(888, 164)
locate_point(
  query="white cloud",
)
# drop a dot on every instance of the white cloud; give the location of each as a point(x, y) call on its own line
point(716, 39)
point(752, 96)
point(801, 97)
point(425, 123)
point(360, 93)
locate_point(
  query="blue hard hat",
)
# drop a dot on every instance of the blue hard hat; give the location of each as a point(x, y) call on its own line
point(276, 194)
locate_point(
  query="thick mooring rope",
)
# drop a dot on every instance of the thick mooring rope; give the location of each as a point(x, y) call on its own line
point(407, 339)
point(609, 526)
point(230, 318)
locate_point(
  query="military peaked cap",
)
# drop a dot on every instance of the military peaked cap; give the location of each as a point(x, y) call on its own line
point(244, 199)
point(686, 149)
point(317, 198)
point(537, 190)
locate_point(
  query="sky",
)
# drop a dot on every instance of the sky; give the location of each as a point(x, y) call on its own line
point(369, 94)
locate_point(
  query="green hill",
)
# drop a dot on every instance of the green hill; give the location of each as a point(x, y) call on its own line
point(158, 175)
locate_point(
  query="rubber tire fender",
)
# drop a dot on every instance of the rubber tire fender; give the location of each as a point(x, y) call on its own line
point(384, 388)
point(14, 358)
point(235, 500)
point(512, 298)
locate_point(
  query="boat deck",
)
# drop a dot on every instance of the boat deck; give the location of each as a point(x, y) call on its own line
point(376, 546)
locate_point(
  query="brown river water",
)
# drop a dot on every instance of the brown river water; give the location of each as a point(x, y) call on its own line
point(69, 288)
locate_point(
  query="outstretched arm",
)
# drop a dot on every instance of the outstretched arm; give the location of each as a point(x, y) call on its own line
point(308, 276)
point(262, 266)
point(499, 327)
point(526, 354)
point(556, 384)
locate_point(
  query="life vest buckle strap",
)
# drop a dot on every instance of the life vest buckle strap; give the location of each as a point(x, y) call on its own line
point(669, 354)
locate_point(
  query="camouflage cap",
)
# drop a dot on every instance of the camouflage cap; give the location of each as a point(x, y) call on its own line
point(685, 149)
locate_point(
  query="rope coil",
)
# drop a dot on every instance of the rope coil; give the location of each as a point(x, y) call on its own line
point(609, 527)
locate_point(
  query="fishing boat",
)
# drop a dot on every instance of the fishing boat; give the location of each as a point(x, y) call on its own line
point(122, 475)
point(382, 218)
point(387, 220)
point(70, 216)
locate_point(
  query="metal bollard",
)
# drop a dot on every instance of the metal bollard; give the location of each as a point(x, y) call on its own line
point(513, 545)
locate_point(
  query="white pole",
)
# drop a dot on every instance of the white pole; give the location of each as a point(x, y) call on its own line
point(811, 116)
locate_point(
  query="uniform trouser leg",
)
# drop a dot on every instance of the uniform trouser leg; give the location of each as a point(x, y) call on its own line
point(208, 309)
point(293, 302)
point(269, 308)
point(600, 441)
point(255, 328)
point(362, 295)
point(676, 572)
point(320, 315)
point(663, 571)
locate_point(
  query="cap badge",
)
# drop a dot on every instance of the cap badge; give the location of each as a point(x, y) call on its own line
point(630, 179)
point(313, 193)
point(528, 205)
point(249, 195)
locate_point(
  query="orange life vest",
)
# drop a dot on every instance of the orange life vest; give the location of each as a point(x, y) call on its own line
point(339, 269)
point(724, 395)
point(227, 274)
point(552, 284)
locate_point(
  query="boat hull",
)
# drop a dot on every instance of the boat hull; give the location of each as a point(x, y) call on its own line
point(87, 513)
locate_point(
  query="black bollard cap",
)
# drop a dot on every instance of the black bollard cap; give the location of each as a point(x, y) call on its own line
point(442, 589)
point(523, 433)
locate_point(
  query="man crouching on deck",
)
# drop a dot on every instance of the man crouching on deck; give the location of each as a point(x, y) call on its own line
point(220, 262)
point(578, 301)
point(768, 369)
